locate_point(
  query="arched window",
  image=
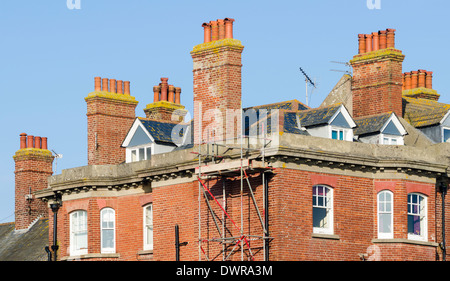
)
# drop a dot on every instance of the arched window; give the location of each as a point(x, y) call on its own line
point(385, 214)
point(78, 233)
point(322, 209)
point(148, 227)
point(108, 230)
point(417, 217)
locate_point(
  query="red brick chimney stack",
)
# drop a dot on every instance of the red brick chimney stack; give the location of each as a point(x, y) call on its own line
point(166, 104)
point(33, 165)
point(419, 84)
point(217, 82)
point(377, 75)
point(110, 114)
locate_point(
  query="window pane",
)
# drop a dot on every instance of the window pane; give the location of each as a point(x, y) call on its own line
point(133, 156)
point(446, 135)
point(320, 217)
point(149, 153)
point(141, 154)
point(341, 135)
point(334, 134)
point(394, 141)
point(385, 223)
point(108, 238)
point(414, 224)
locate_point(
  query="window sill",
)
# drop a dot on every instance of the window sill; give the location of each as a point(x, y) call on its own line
point(91, 256)
point(325, 236)
point(145, 252)
point(406, 241)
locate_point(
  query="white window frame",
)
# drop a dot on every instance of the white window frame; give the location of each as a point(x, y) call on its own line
point(148, 245)
point(381, 209)
point(78, 227)
point(423, 214)
point(346, 133)
point(443, 129)
point(388, 139)
point(328, 205)
point(135, 149)
point(113, 228)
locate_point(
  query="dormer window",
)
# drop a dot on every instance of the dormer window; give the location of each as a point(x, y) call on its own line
point(140, 153)
point(392, 140)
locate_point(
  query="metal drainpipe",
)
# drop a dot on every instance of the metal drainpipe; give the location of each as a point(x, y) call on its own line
point(55, 208)
point(443, 193)
point(266, 217)
point(177, 243)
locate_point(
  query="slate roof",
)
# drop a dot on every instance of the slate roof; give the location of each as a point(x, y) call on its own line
point(24, 245)
point(163, 132)
point(423, 112)
point(370, 124)
point(287, 105)
point(317, 116)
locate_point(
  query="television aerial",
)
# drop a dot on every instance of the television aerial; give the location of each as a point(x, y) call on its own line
point(308, 82)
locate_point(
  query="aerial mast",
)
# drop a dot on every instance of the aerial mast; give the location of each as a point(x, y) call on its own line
point(307, 81)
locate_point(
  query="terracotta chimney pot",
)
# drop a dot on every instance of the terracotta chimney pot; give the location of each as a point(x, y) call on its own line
point(98, 84)
point(383, 39)
point(414, 79)
point(37, 142)
point(376, 41)
point(164, 88)
point(44, 143)
point(126, 86)
point(407, 80)
point(390, 38)
point(156, 90)
point(214, 30)
point(171, 97)
point(207, 32)
point(112, 85)
point(368, 43)
point(361, 44)
point(105, 84)
point(421, 78)
point(119, 86)
point(228, 27)
point(177, 95)
point(30, 140)
point(429, 80)
point(23, 140)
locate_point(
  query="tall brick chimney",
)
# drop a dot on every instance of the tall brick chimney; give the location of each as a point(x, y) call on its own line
point(33, 165)
point(217, 82)
point(166, 103)
point(377, 75)
point(110, 114)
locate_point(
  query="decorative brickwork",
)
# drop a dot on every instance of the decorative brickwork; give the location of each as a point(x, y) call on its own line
point(109, 116)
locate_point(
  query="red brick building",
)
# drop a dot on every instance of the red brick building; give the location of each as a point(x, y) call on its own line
point(355, 179)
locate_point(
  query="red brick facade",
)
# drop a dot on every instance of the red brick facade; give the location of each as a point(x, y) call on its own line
point(290, 219)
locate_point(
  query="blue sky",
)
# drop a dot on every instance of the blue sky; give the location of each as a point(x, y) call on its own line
point(50, 54)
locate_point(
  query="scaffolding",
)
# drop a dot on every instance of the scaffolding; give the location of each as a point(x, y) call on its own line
point(212, 165)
